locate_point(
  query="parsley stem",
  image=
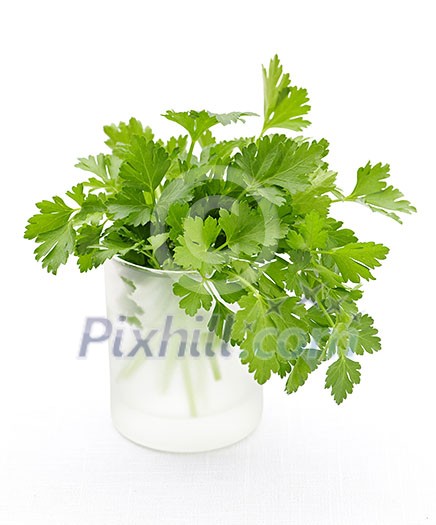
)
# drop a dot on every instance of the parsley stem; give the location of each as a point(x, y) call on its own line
point(190, 152)
point(215, 367)
point(255, 291)
point(350, 198)
point(149, 253)
point(189, 388)
point(326, 346)
point(224, 245)
point(326, 314)
point(214, 292)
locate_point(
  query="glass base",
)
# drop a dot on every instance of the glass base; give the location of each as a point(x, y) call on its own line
point(193, 434)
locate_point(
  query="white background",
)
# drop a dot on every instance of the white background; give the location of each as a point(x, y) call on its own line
point(68, 68)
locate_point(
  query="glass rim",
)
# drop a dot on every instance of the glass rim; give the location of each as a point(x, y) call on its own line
point(156, 271)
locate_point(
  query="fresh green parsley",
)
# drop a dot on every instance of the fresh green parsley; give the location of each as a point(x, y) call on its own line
point(249, 218)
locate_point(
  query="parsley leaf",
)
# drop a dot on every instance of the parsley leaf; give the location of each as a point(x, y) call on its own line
point(298, 376)
point(262, 366)
point(278, 161)
point(342, 375)
point(194, 295)
point(193, 252)
point(145, 165)
point(363, 335)
point(371, 189)
point(123, 133)
point(355, 260)
point(54, 233)
point(257, 337)
point(313, 230)
point(284, 105)
point(197, 123)
point(105, 167)
point(129, 206)
point(244, 229)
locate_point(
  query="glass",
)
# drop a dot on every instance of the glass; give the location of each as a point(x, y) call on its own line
point(175, 386)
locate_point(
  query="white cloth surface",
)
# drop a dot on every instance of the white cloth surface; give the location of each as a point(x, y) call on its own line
point(316, 465)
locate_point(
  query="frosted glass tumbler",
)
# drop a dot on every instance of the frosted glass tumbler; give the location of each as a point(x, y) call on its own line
point(175, 386)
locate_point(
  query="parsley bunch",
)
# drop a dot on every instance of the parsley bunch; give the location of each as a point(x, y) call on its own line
point(250, 217)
